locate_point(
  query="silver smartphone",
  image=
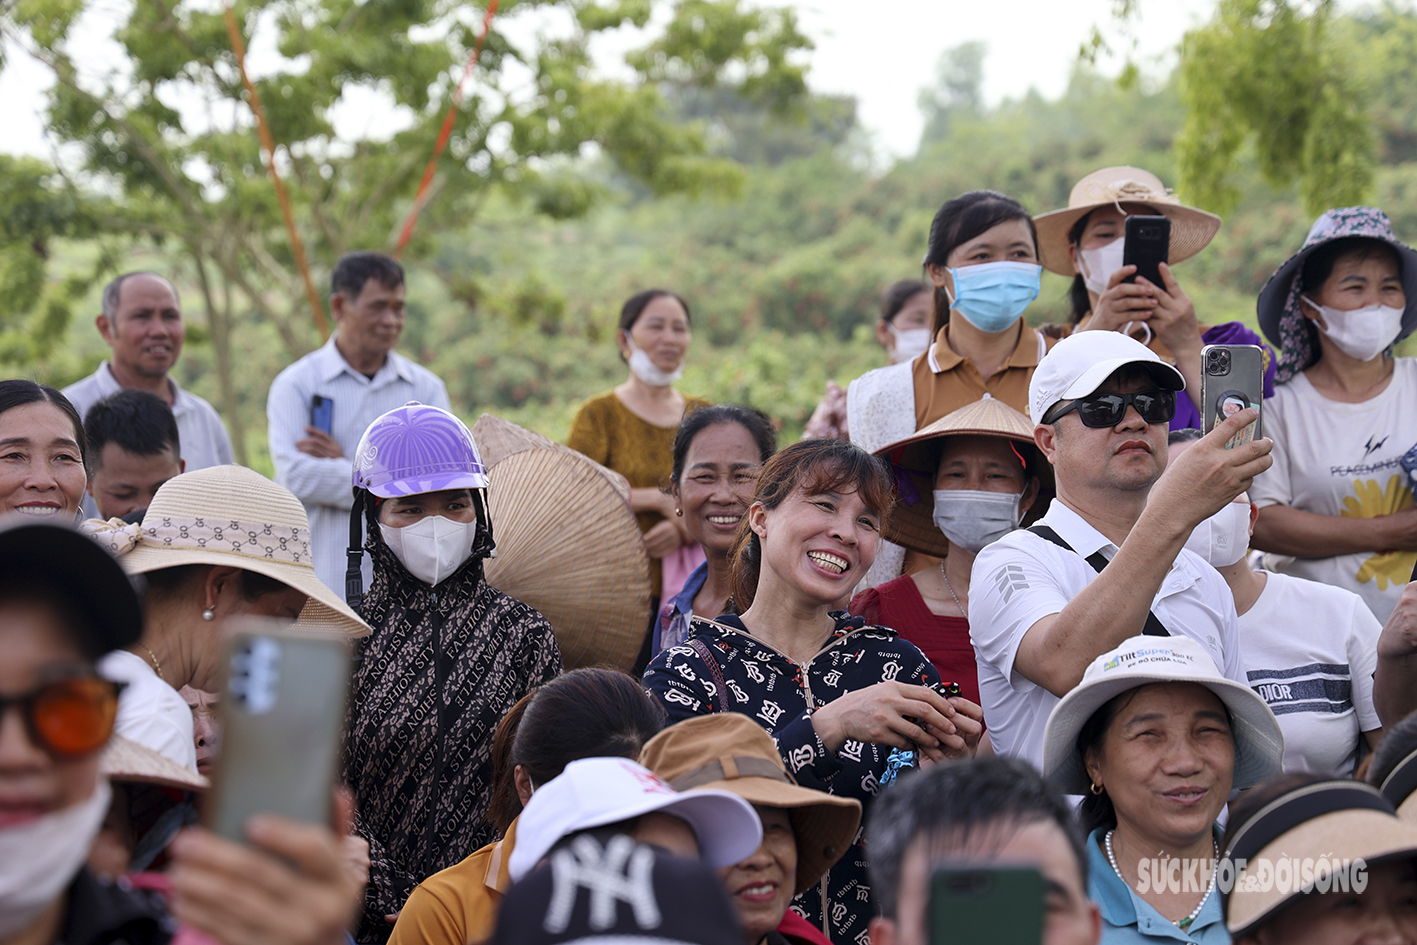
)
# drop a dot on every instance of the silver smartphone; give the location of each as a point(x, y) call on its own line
point(1232, 379)
point(282, 712)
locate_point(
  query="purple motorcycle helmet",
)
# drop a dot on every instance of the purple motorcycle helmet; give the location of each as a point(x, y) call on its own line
point(410, 450)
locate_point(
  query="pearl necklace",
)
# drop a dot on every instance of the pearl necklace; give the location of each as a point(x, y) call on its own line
point(1182, 924)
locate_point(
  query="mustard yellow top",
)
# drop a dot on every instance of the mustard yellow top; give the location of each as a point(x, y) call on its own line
point(609, 433)
point(458, 905)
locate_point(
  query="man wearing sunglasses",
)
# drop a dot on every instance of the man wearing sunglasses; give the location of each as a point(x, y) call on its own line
point(1107, 561)
point(64, 602)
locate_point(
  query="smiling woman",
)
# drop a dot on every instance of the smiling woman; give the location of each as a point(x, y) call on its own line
point(41, 451)
point(837, 695)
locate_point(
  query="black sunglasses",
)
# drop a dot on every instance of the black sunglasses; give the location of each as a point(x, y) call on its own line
point(1107, 410)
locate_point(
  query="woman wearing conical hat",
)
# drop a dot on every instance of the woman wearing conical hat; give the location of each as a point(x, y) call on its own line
point(1086, 240)
point(965, 480)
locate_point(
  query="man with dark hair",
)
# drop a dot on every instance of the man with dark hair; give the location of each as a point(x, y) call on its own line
point(989, 812)
point(141, 321)
point(134, 447)
point(319, 407)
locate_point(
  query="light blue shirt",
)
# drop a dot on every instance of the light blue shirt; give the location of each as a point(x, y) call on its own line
point(1128, 919)
point(325, 486)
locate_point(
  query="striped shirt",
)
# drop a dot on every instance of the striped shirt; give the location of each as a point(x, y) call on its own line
point(325, 485)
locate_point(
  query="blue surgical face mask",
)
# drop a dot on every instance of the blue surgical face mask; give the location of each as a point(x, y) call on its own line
point(991, 296)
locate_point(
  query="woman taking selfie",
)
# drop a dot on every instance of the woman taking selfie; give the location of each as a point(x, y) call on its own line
point(717, 454)
point(1337, 505)
point(1155, 739)
point(836, 695)
point(631, 429)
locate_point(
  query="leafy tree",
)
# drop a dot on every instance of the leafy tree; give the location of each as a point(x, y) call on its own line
point(169, 130)
point(1272, 74)
point(958, 90)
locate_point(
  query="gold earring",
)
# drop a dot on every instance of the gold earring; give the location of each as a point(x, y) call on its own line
point(1097, 790)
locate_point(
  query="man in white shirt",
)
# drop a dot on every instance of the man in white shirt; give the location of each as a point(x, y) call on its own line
point(1040, 612)
point(142, 323)
point(358, 377)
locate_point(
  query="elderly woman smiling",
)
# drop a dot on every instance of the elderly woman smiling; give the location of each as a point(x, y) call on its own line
point(1155, 738)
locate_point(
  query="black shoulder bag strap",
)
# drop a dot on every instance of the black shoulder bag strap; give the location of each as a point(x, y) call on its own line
point(1153, 628)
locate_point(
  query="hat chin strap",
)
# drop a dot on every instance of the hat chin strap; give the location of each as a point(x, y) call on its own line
point(353, 575)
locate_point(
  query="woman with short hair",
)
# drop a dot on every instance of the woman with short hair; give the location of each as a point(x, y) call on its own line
point(1154, 738)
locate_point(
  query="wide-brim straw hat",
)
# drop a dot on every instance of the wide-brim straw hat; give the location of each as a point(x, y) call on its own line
point(911, 521)
point(727, 751)
point(233, 516)
point(1143, 661)
point(1277, 308)
point(1329, 822)
point(567, 544)
point(125, 760)
point(1191, 229)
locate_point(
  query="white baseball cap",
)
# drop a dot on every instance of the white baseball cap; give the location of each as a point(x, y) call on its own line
point(594, 792)
point(1141, 661)
point(1077, 366)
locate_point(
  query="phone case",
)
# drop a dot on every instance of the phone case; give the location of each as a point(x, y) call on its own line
point(1232, 378)
point(1148, 245)
point(322, 413)
point(282, 710)
point(972, 906)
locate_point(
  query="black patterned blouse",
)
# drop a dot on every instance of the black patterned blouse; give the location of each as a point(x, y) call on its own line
point(421, 799)
point(780, 695)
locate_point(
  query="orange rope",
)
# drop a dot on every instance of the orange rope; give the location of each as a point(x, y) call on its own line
point(268, 143)
point(421, 197)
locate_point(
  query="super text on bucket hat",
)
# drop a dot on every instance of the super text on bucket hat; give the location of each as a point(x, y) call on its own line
point(911, 521)
point(229, 515)
point(730, 752)
point(1142, 661)
point(1277, 308)
point(1191, 229)
point(1077, 366)
point(595, 792)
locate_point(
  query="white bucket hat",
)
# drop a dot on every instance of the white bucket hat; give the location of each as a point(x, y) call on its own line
point(594, 792)
point(234, 516)
point(1141, 661)
point(1077, 366)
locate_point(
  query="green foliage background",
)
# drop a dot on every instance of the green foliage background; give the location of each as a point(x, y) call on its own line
point(516, 309)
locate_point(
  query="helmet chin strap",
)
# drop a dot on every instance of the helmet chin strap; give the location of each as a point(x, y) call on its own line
point(353, 575)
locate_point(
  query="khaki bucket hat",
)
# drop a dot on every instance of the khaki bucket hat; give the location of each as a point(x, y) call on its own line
point(727, 751)
point(913, 459)
point(1326, 826)
point(234, 516)
point(1191, 229)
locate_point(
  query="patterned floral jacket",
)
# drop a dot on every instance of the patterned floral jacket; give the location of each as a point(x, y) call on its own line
point(418, 756)
point(780, 695)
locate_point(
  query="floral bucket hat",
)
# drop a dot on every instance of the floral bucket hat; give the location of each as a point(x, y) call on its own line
point(1280, 317)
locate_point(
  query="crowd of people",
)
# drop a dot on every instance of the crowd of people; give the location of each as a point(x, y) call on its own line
point(1023, 641)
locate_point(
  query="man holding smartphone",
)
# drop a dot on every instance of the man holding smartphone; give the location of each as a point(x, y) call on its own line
point(320, 406)
point(1107, 561)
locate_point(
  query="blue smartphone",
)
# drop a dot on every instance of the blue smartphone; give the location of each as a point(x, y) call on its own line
point(322, 414)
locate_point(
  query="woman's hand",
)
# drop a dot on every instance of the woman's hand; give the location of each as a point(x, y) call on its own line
point(1174, 318)
point(662, 539)
point(887, 714)
point(291, 886)
point(1123, 302)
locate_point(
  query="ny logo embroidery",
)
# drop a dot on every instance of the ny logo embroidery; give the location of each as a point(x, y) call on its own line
point(620, 872)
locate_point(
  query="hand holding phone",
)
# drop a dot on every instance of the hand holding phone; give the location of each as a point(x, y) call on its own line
point(1232, 379)
point(1147, 246)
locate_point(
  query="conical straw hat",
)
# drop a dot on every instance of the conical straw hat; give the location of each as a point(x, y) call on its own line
point(568, 545)
point(126, 760)
point(911, 521)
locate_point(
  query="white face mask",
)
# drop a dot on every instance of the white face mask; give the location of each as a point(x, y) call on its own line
point(1360, 333)
point(1223, 538)
point(433, 547)
point(972, 519)
point(646, 370)
point(39, 858)
point(910, 343)
point(1098, 264)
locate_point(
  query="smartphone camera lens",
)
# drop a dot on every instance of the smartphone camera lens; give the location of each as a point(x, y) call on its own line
point(1217, 362)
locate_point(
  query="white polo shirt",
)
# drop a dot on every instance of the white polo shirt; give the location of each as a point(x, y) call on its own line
point(1022, 578)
